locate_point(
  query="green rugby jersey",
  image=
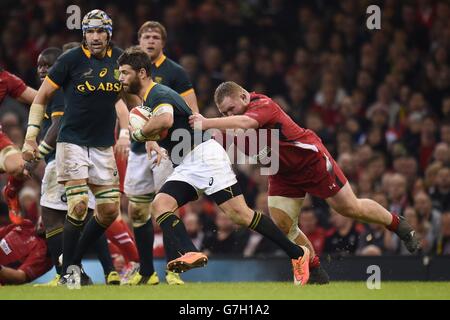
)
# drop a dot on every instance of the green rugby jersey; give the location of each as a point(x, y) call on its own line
point(158, 95)
point(55, 107)
point(169, 73)
point(91, 87)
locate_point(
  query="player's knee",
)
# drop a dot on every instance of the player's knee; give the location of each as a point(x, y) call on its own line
point(108, 202)
point(16, 168)
point(139, 212)
point(77, 202)
point(107, 213)
point(162, 204)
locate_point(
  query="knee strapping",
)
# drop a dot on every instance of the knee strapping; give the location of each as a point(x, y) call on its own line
point(294, 232)
point(77, 201)
point(140, 209)
point(107, 196)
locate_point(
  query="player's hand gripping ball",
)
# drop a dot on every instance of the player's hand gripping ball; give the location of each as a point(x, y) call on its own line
point(138, 118)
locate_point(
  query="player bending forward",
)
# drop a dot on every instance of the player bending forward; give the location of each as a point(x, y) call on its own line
point(305, 166)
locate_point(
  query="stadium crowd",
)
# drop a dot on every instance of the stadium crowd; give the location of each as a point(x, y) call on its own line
point(379, 100)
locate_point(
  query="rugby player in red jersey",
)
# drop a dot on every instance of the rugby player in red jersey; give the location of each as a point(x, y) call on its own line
point(10, 156)
point(305, 166)
point(23, 254)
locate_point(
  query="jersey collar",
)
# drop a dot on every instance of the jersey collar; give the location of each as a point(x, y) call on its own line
point(88, 53)
point(160, 60)
point(150, 87)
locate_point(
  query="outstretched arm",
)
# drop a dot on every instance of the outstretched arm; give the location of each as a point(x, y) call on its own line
point(197, 121)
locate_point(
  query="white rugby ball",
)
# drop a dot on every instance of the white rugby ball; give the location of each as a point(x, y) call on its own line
point(139, 116)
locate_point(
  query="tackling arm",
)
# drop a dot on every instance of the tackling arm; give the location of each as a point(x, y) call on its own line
point(231, 122)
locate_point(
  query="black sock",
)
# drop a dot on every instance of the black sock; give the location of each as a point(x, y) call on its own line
point(54, 244)
point(71, 235)
point(103, 254)
point(267, 228)
point(171, 252)
point(175, 233)
point(91, 233)
point(145, 236)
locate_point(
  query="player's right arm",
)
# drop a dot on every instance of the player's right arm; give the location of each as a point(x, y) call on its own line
point(36, 115)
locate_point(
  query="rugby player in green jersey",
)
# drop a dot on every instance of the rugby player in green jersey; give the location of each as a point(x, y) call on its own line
point(85, 160)
point(144, 178)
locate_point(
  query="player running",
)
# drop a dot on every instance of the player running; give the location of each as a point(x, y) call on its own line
point(85, 159)
point(201, 168)
point(306, 166)
point(144, 178)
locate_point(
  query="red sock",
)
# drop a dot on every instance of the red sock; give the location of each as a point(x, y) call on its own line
point(119, 234)
point(394, 224)
point(315, 262)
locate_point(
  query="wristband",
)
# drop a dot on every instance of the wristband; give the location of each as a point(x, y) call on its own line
point(44, 149)
point(124, 133)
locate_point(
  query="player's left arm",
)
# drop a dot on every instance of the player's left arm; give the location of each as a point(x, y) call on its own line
point(197, 121)
point(12, 276)
point(123, 143)
point(27, 96)
point(162, 119)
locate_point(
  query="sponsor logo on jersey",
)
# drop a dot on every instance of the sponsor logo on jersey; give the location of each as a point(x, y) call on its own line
point(103, 72)
point(102, 86)
point(5, 247)
point(158, 79)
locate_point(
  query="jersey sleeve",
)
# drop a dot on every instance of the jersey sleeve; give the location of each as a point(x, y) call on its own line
point(59, 72)
point(57, 105)
point(37, 263)
point(263, 111)
point(15, 85)
point(181, 83)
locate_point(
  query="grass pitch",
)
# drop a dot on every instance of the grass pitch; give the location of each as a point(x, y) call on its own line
point(235, 291)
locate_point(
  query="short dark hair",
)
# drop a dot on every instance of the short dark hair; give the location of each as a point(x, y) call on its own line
point(136, 58)
point(153, 25)
point(52, 54)
point(70, 45)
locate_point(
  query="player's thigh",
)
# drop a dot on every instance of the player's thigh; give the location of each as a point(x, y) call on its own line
point(172, 195)
point(206, 168)
point(344, 201)
point(72, 162)
point(285, 211)
point(53, 219)
point(102, 167)
point(139, 178)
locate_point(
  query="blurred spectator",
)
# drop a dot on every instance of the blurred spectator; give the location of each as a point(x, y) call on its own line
point(398, 195)
point(441, 194)
point(342, 238)
point(194, 229)
point(227, 239)
point(428, 216)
